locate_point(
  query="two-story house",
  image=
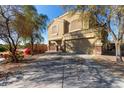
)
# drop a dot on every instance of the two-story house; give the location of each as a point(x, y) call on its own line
point(71, 34)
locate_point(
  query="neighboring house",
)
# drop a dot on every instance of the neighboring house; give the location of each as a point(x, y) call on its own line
point(69, 33)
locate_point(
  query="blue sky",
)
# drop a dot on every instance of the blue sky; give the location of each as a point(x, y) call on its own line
point(52, 11)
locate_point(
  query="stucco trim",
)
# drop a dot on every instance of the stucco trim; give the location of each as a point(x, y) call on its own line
point(59, 17)
point(56, 19)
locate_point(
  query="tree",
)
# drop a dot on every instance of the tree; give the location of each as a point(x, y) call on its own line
point(18, 22)
point(107, 17)
point(32, 24)
point(7, 31)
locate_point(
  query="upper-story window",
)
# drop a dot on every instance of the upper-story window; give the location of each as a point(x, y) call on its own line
point(86, 23)
point(75, 25)
point(54, 30)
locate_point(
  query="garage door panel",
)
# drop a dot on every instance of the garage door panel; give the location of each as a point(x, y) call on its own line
point(77, 46)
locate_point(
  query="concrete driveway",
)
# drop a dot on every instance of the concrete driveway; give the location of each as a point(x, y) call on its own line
point(67, 71)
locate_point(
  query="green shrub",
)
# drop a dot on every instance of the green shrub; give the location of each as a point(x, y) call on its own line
point(2, 49)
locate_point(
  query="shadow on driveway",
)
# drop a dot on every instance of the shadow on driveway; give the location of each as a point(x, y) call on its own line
point(66, 72)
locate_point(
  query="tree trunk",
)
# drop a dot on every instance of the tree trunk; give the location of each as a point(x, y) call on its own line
point(14, 57)
point(118, 51)
point(32, 46)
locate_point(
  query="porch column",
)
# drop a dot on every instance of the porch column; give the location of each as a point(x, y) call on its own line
point(98, 47)
point(48, 46)
point(63, 45)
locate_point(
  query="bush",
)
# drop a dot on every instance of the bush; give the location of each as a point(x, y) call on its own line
point(2, 49)
point(19, 55)
point(27, 51)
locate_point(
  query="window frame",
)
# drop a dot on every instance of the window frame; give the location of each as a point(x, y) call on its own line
point(56, 32)
point(77, 29)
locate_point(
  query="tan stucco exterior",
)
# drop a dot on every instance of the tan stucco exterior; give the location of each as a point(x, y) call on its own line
point(70, 33)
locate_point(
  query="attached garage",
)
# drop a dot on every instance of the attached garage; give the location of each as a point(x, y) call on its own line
point(83, 45)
